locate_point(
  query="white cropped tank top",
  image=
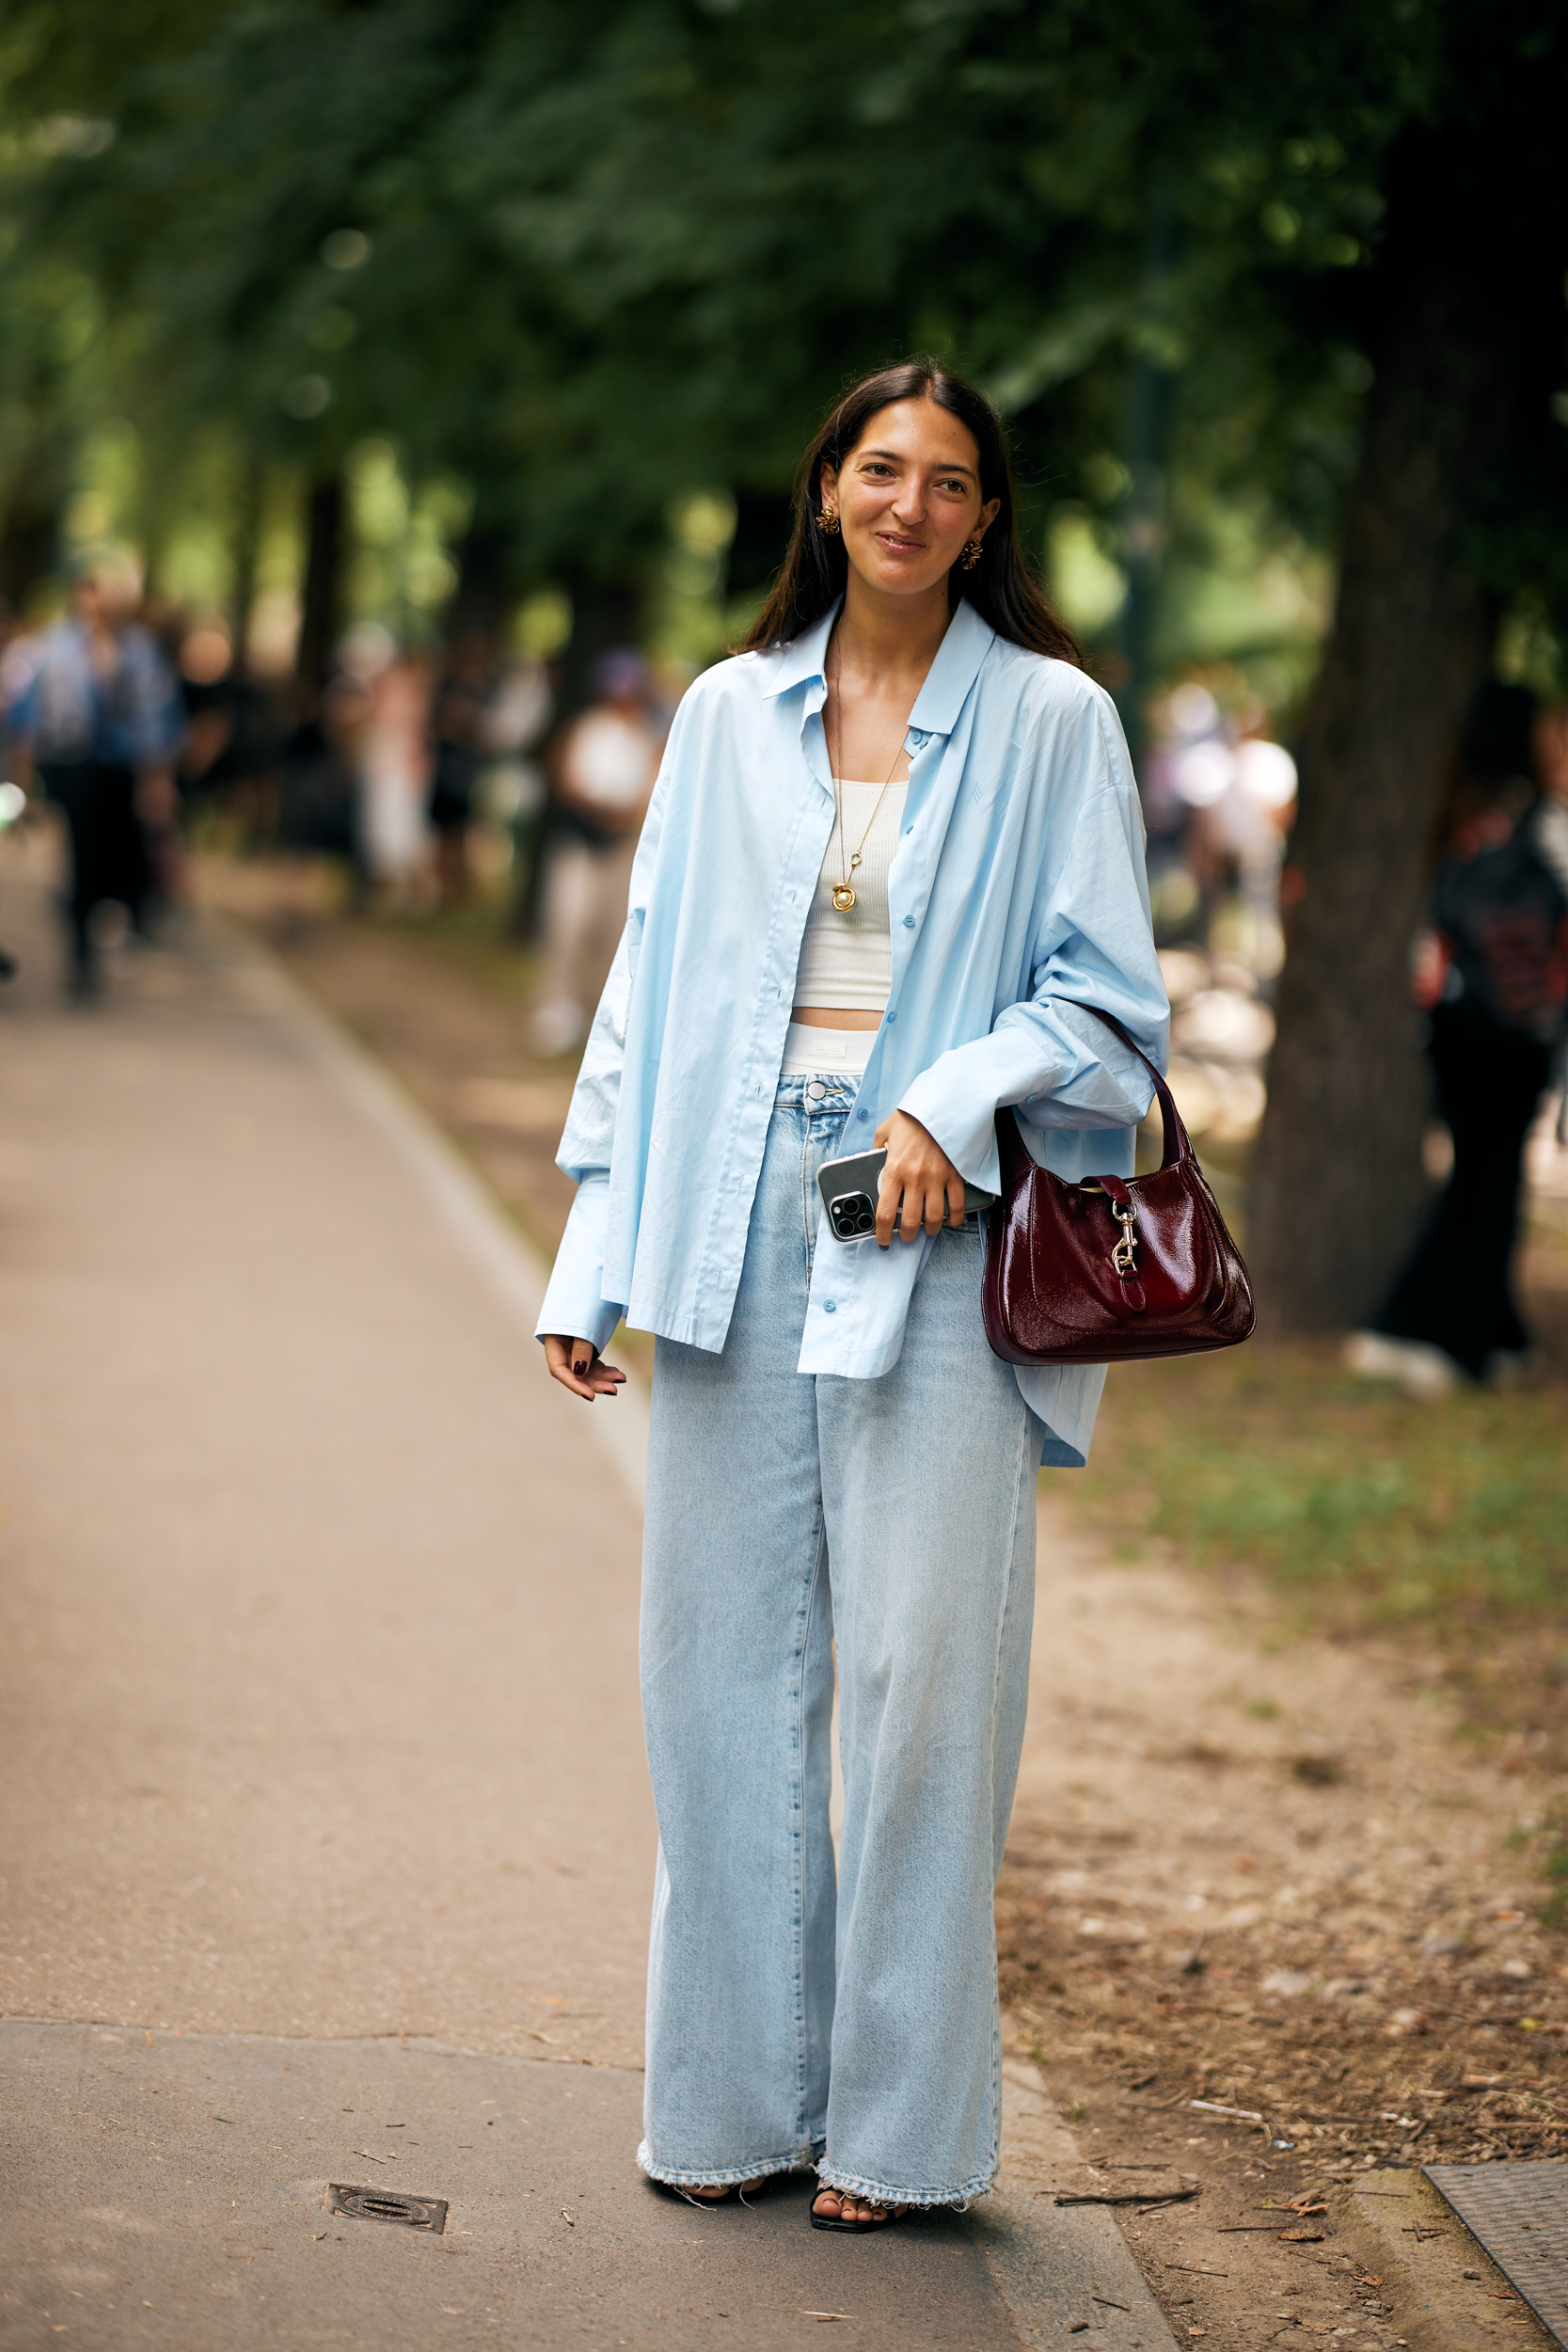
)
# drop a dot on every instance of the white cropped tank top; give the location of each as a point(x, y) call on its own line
point(847, 959)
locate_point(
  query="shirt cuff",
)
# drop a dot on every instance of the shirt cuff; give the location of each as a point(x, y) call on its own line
point(574, 1305)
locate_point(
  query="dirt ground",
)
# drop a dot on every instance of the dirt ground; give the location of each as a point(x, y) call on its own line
point(1264, 1874)
point(1267, 1921)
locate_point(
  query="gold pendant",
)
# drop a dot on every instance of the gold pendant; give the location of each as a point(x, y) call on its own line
point(844, 898)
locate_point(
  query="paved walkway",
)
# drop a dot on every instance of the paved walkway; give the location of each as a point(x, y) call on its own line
point(327, 1836)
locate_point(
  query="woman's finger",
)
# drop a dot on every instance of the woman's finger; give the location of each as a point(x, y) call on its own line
point(888, 1205)
point(576, 1364)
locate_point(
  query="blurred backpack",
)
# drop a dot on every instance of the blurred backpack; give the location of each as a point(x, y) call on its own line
point(1501, 915)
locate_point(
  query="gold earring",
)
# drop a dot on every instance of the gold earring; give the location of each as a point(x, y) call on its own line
point(828, 523)
point(972, 552)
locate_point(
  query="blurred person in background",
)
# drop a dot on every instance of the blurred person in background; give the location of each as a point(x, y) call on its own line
point(99, 720)
point(1551, 839)
point(1491, 975)
point(602, 768)
point(14, 674)
point(317, 771)
point(391, 756)
point(1238, 794)
point(460, 729)
point(230, 750)
point(513, 791)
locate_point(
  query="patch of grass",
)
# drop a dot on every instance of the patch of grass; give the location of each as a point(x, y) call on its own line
point(1361, 1505)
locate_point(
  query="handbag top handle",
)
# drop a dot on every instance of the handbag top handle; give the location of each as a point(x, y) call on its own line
point(1178, 1148)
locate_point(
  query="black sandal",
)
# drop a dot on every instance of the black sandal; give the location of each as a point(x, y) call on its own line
point(863, 2227)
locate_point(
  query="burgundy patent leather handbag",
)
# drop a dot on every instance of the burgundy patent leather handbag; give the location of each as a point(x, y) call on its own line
point(1115, 1267)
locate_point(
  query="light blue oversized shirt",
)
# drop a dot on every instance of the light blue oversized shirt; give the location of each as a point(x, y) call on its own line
point(1018, 884)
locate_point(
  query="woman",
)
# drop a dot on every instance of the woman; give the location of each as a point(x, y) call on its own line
point(1493, 978)
point(894, 847)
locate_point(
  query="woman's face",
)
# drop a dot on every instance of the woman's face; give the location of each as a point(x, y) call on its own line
point(907, 497)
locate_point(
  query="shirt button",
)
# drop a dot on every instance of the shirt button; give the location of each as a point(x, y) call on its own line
point(893, 1016)
point(830, 1306)
point(909, 922)
point(862, 1114)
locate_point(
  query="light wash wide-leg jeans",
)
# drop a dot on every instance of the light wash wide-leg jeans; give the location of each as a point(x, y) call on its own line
point(789, 2019)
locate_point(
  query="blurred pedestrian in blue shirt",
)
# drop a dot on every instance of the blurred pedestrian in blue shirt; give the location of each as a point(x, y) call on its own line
point(100, 718)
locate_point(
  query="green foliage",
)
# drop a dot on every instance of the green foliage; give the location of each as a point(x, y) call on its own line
point(1356, 1504)
point(585, 254)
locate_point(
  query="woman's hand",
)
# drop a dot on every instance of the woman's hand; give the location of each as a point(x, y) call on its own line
point(578, 1366)
point(920, 1169)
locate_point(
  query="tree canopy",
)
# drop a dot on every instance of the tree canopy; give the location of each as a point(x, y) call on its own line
point(1295, 271)
point(583, 253)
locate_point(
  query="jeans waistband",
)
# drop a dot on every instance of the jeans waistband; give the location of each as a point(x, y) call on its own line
point(828, 1092)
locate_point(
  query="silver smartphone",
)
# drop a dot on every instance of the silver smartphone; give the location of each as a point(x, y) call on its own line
point(850, 1189)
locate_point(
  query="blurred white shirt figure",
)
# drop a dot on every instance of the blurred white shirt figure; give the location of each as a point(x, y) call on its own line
point(602, 771)
point(393, 758)
point(1243, 796)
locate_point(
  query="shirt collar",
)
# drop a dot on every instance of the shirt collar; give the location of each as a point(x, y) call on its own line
point(956, 665)
point(794, 664)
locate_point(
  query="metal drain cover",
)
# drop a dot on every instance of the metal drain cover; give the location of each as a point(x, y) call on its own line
point(1519, 2213)
point(386, 2205)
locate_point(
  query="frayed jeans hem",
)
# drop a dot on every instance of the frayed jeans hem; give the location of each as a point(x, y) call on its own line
point(879, 2192)
point(725, 2176)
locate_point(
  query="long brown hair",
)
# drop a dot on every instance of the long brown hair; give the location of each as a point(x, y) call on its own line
point(1001, 588)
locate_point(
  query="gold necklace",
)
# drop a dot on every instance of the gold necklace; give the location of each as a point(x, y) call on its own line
point(844, 891)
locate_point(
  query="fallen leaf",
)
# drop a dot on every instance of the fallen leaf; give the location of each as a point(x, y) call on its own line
point(535, 2036)
point(1302, 2237)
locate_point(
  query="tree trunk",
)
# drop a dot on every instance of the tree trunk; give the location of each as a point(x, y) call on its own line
point(605, 614)
point(320, 601)
point(486, 581)
point(248, 505)
point(1338, 1185)
point(27, 550)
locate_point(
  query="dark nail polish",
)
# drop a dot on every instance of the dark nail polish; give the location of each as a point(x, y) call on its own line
point(580, 1368)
